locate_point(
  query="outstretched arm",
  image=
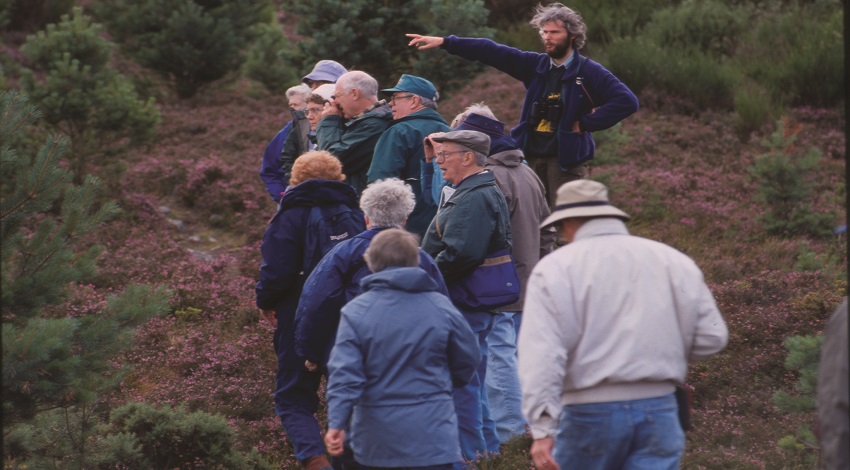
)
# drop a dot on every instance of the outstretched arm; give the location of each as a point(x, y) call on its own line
point(424, 42)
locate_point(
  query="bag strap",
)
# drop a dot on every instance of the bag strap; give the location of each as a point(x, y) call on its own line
point(580, 81)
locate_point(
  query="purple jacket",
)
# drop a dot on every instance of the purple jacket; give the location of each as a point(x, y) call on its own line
point(610, 98)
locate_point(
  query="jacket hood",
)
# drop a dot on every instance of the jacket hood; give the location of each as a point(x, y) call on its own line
point(404, 279)
point(509, 158)
point(314, 192)
point(427, 114)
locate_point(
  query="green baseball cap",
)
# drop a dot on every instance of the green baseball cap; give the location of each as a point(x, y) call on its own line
point(416, 85)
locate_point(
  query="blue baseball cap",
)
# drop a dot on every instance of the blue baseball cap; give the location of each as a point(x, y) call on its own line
point(416, 85)
point(324, 71)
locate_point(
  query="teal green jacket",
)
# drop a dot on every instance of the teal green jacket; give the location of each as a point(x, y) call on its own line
point(474, 222)
point(399, 153)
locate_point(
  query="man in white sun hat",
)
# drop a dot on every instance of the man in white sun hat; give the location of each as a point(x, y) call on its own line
point(611, 321)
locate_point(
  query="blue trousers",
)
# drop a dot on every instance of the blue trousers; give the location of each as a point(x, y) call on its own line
point(296, 401)
point(477, 430)
point(630, 435)
point(503, 389)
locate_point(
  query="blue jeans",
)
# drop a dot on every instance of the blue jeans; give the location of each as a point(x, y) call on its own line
point(502, 379)
point(634, 434)
point(471, 399)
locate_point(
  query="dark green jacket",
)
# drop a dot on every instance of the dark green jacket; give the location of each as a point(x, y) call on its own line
point(353, 142)
point(473, 223)
point(399, 154)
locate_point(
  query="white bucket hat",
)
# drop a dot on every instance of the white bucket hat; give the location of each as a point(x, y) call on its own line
point(583, 198)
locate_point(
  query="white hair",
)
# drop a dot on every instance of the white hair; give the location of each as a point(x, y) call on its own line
point(387, 202)
point(476, 108)
point(362, 81)
point(301, 90)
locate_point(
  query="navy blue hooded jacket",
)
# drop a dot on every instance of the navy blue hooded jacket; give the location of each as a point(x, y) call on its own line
point(282, 273)
point(334, 282)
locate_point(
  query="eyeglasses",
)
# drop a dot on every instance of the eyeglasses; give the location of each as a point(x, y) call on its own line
point(400, 97)
point(313, 111)
point(442, 155)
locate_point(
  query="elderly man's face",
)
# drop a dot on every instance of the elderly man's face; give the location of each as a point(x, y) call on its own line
point(450, 157)
point(346, 102)
point(403, 104)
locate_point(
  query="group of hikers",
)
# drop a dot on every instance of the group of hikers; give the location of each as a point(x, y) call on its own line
point(406, 252)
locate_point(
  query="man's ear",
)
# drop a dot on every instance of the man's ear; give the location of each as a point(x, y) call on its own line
point(355, 94)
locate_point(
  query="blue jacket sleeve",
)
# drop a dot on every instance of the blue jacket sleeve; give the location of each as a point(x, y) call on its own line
point(346, 377)
point(270, 168)
point(321, 300)
point(614, 99)
point(427, 263)
point(463, 351)
point(518, 64)
point(283, 244)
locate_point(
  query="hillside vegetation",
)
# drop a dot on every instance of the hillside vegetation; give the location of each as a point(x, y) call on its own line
point(754, 200)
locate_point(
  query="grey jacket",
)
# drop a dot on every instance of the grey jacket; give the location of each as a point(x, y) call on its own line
point(527, 205)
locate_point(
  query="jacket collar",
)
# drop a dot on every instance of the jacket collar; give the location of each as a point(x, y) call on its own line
point(426, 114)
point(601, 226)
point(483, 178)
point(405, 279)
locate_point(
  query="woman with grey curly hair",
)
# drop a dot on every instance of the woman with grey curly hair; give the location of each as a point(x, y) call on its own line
point(387, 203)
point(336, 279)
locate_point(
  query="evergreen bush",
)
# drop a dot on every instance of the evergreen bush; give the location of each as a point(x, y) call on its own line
point(707, 26)
point(369, 36)
point(31, 15)
point(80, 95)
point(272, 60)
point(784, 188)
point(803, 358)
point(191, 43)
point(53, 360)
point(798, 55)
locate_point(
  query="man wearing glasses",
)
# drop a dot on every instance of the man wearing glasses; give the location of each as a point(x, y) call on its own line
point(473, 222)
point(352, 123)
point(400, 150)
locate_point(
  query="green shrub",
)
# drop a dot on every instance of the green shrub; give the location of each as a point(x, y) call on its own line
point(31, 15)
point(700, 78)
point(803, 358)
point(798, 56)
point(610, 20)
point(783, 187)
point(369, 36)
point(190, 43)
point(707, 26)
point(70, 79)
point(636, 61)
point(753, 109)
point(173, 438)
point(272, 60)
